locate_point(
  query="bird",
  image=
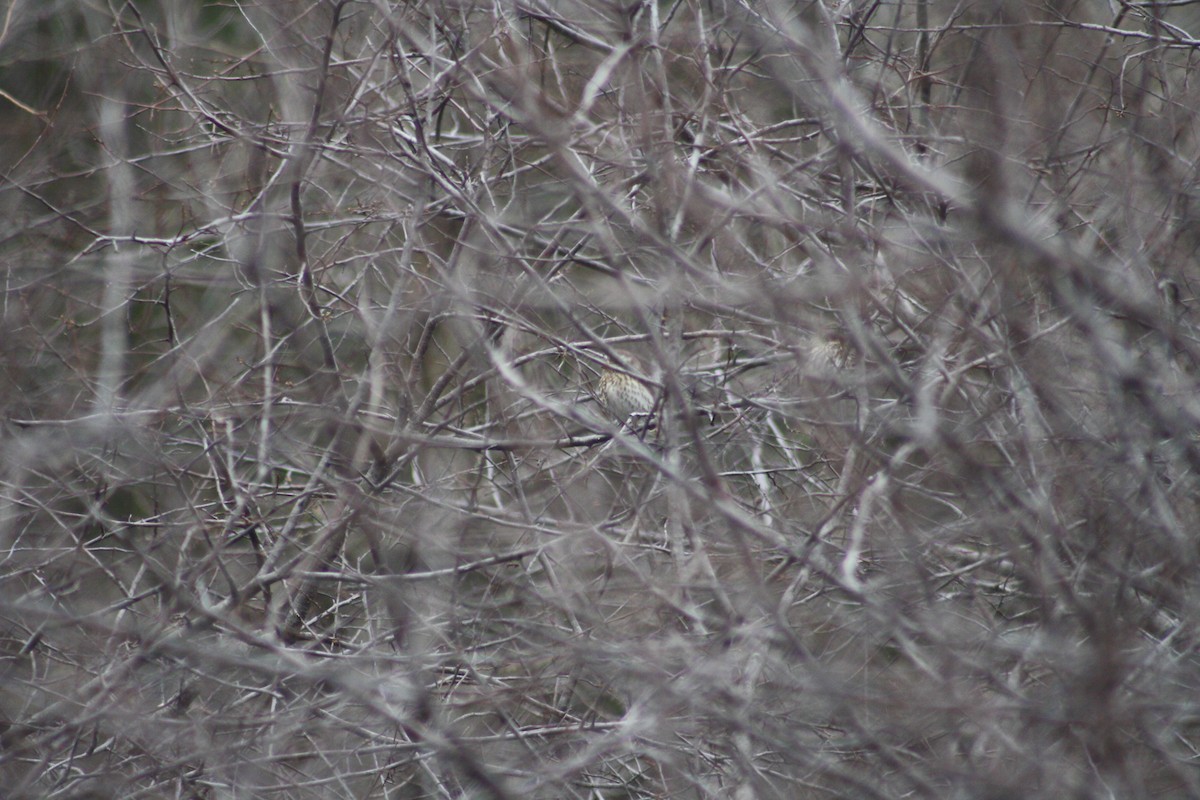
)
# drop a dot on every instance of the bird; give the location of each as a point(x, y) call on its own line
point(626, 387)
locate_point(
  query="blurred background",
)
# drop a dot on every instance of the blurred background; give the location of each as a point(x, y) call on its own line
point(307, 492)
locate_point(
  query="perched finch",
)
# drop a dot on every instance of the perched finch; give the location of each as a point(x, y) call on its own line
point(626, 387)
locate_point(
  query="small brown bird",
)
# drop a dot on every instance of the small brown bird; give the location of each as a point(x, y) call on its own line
point(626, 387)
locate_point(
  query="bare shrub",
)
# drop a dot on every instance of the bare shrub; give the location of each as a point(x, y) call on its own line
point(307, 491)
